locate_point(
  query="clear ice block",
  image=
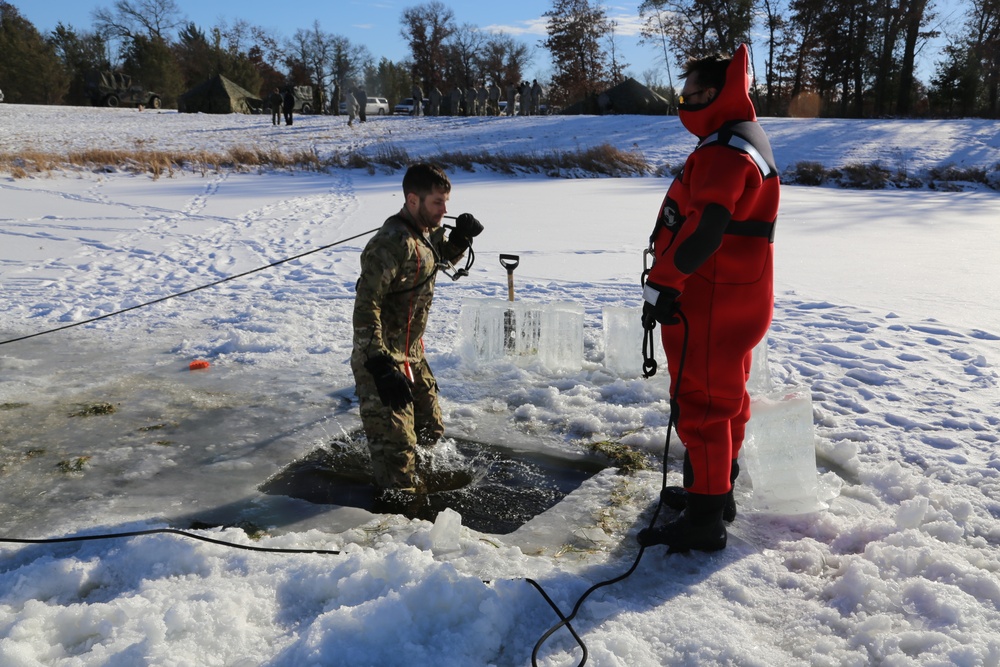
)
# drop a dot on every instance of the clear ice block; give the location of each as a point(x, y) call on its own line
point(779, 453)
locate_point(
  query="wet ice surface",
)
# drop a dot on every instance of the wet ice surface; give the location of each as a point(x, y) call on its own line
point(179, 446)
point(495, 489)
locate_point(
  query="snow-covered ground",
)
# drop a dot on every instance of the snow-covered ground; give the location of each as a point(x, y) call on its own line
point(885, 310)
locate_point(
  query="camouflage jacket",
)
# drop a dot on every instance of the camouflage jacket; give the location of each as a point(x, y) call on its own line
point(394, 291)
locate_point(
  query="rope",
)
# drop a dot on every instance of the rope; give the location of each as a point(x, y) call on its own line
point(194, 289)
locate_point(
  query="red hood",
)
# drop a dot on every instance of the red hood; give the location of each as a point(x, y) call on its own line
point(732, 102)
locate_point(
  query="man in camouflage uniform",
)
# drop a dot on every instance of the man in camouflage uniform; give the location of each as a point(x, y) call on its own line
point(397, 390)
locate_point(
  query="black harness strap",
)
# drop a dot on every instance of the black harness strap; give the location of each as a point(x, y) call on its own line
point(755, 228)
point(748, 138)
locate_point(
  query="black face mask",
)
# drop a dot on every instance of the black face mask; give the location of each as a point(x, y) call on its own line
point(694, 107)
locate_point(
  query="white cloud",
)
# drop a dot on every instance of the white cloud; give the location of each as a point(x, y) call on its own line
point(535, 26)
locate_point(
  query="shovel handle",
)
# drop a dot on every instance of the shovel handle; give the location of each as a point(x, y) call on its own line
point(510, 263)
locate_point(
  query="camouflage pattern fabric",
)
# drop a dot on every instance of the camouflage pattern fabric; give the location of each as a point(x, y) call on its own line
point(391, 307)
point(393, 435)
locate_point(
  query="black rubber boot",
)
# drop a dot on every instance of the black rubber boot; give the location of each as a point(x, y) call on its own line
point(699, 528)
point(675, 497)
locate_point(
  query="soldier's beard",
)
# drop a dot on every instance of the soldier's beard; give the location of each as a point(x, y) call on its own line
point(425, 219)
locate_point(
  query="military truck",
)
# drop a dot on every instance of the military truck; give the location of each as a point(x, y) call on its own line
point(113, 89)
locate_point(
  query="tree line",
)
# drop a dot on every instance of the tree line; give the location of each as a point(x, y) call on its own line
point(149, 40)
point(844, 58)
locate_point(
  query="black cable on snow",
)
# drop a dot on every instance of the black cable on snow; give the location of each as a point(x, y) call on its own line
point(154, 531)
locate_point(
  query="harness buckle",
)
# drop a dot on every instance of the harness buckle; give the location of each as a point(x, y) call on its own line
point(647, 265)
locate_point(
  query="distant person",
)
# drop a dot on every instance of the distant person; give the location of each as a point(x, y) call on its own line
point(711, 290)
point(275, 101)
point(434, 101)
point(482, 96)
point(468, 99)
point(288, 105)
point(536, 97)
point(352, 108)
point(394, 383)
point(335, 104)
point(525, 95)
point(362, 96)
point(471, 101)
point(511, 98)
point(456, 101)
point(418, 101)
point(493, 106)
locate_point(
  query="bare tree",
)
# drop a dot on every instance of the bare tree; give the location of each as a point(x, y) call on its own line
point(504, 59)
point(426, 28)
point(127, 19)
point(313, 51)
point(914, 21)
point(462, 52)
point(654, 30)
point(616, 65)
point(348, 62)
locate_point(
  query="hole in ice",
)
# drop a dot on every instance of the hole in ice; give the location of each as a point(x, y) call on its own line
point(494, 488)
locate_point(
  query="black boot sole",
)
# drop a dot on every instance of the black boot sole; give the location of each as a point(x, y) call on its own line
point(675, 543)
point(675, 497)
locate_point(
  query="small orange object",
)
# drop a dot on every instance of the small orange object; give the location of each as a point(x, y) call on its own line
point(198, 364)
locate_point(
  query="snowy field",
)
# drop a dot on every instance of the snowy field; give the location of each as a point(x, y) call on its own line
point(886, 312)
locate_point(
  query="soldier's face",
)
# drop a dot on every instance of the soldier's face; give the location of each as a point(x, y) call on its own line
point(431, 209)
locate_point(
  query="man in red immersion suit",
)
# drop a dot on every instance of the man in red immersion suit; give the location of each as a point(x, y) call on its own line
point(712, 283)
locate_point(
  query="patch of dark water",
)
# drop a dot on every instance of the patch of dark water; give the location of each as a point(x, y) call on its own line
point(494, 488)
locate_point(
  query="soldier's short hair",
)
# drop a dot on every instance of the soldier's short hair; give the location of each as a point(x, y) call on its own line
point(422, 178)
point(710, 70)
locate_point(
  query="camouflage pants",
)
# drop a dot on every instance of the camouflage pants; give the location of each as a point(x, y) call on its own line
point(394, 435)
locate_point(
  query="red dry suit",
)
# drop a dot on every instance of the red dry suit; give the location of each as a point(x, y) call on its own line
point(713, 245)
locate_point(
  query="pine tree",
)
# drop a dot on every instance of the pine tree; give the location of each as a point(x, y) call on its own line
point(30, 70)
point(81, 54)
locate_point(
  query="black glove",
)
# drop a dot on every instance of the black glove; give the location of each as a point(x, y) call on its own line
point(660, 305)
point(466, 229)
point(394, 388)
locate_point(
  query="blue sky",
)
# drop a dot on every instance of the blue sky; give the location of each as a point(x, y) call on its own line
point(376, 23)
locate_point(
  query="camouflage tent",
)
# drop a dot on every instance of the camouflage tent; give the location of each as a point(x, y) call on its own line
point(219, 95)
point(628, 97)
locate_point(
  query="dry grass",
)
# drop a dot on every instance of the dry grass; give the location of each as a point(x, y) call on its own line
point(388, 157)
point(157, 163)
point(604, 160)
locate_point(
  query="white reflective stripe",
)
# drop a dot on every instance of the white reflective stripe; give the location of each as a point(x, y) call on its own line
point(741, 144)
point(650, 294)
point(747, 147)
point(710, 139)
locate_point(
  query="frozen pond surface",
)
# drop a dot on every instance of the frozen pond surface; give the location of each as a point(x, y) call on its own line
point(885, 311)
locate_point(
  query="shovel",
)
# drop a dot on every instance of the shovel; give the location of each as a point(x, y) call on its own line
point(510, 263)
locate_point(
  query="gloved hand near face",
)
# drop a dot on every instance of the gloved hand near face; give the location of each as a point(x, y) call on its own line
point(466, 229)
